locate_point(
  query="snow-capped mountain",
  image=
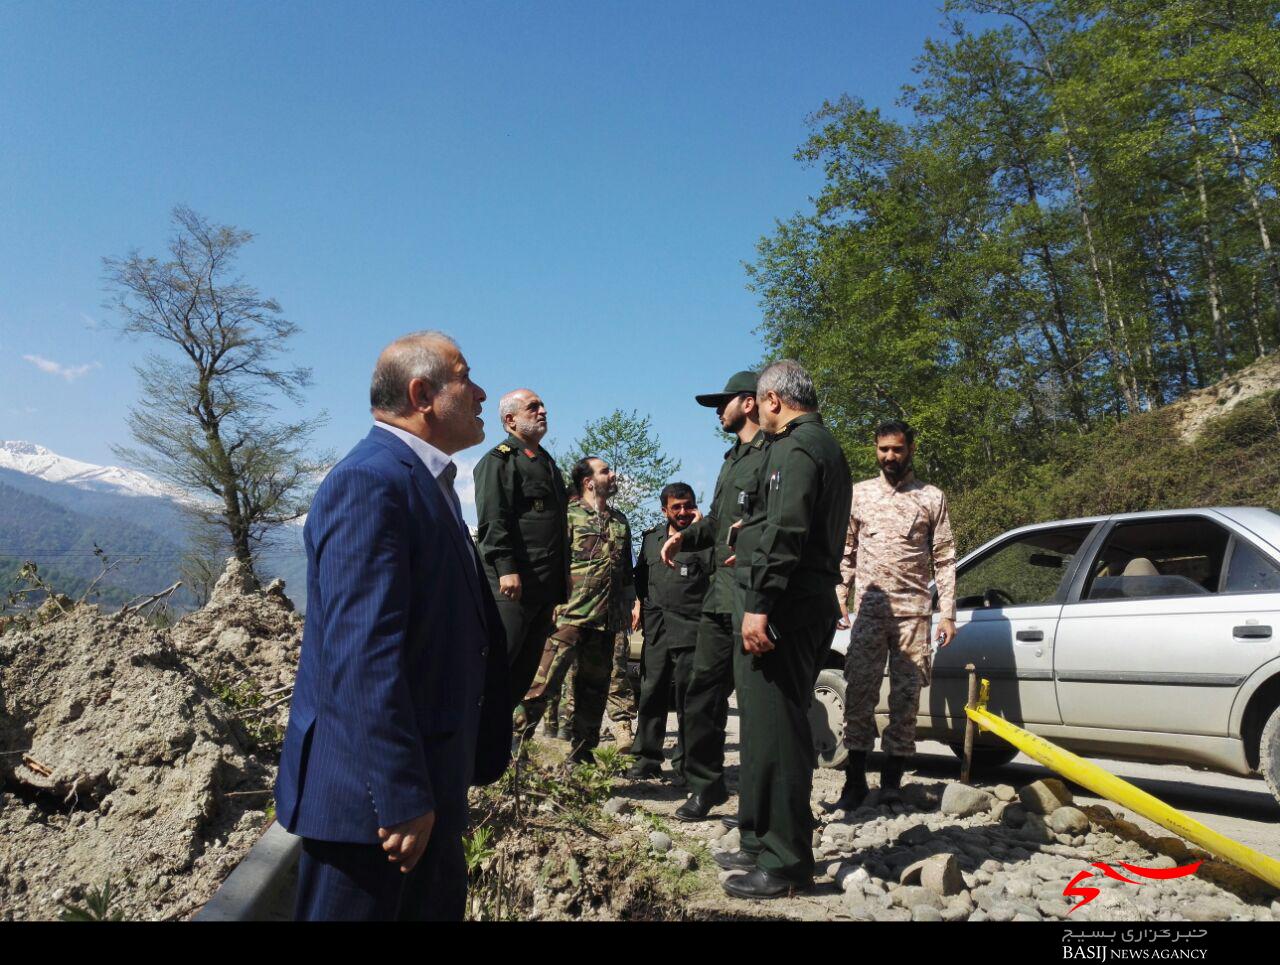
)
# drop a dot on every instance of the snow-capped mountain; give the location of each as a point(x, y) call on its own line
point(33, 460)
point(54, 510)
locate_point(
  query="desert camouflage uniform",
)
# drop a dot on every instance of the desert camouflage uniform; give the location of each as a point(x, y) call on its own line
point(586, 626)
point(899, 538)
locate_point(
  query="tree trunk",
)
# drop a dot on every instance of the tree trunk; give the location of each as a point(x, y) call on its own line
point(1126, 342)
point(1066, 361)
point(1206, 250)
point(1255, 324)
point(1174, 306)
point(1128, 385)
point(237, 525)
point(1251, 190)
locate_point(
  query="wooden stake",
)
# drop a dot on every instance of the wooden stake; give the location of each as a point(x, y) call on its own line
point(970, 728)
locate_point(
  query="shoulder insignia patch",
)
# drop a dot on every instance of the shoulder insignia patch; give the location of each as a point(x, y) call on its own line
point(503, 450)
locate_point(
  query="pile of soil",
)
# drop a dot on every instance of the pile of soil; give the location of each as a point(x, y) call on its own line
point(119, 763)
point(245, 645)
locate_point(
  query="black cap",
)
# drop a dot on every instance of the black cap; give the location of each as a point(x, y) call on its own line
point(738, 383)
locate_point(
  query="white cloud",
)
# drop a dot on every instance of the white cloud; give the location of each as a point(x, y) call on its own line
point(68, 372)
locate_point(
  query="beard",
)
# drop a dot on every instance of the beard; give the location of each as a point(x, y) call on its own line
point(734, 426)
point(896, 471)
point(531, 430)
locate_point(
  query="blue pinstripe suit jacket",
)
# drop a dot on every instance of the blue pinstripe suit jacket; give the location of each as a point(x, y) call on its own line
point(402, 653)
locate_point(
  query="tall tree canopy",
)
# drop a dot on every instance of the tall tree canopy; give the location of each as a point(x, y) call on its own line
point(1075, 224)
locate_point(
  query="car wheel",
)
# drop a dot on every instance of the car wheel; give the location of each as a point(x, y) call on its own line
point(826, 719)
point(985, 757)
point(1269, 753)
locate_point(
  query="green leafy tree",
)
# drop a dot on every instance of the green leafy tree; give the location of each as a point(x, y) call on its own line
point(626, 441)
point(204, 420)
point(1072, 225)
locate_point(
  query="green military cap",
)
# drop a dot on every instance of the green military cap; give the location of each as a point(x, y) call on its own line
point(738, 383)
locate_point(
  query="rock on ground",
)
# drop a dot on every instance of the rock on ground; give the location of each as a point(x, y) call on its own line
point(1069, 820)
point(963, 801)
point(1044, 797)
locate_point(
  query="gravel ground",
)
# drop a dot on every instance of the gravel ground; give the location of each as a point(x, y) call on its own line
point(1002, 850)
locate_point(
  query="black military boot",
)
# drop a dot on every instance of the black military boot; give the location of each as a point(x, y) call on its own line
point(891, 775)
point(855, 783)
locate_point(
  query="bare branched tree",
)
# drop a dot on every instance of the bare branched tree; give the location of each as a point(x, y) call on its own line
point(204, 419)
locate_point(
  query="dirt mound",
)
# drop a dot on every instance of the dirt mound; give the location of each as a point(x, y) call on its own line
point(246, 646)
point(119, 761)
point(1197, 408)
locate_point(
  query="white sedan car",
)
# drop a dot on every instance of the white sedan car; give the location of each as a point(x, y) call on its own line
point(1147, 636)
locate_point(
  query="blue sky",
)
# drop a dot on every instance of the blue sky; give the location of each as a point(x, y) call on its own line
point(570, 189)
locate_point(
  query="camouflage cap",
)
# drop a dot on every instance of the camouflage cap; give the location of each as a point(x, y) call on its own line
point(738, 383)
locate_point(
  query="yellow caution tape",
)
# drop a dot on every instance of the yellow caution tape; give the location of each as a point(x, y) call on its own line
point(1107, 785)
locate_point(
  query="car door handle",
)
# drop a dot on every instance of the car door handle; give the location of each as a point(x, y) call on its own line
point(1252, 632)
point(1030, 636)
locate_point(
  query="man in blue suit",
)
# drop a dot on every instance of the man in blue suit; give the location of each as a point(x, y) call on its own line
point(401, 701)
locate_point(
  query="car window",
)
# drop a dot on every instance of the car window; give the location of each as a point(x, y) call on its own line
point(1250, 572)
point(1174, 556)
point(1024, 572)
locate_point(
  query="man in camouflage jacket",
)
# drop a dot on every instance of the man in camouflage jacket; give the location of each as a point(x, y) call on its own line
point(899, 539)
point(599, 604)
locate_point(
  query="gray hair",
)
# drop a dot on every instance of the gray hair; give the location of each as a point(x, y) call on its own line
point(413, 356)
point(510, 403)
point(791, 383)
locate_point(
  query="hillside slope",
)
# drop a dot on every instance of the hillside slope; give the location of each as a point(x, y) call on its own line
point(61, 541)
point(39, 519)
point(1219, 446)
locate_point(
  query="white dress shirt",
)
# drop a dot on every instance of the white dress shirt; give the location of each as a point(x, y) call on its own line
point(440, 466)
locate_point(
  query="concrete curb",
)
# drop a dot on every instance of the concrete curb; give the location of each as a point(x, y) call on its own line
point(260, 886)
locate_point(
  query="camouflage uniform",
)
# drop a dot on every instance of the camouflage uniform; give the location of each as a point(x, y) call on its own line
point(560, 702)
point(599, 601)
point(896, 535)
point(622, 695)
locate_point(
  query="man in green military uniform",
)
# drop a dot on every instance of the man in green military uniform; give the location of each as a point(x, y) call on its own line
point(668, 606)
point(599, 602)
point(788, 565)
point(706, 707)
point(522, 503)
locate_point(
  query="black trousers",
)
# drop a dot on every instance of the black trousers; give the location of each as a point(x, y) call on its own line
point(663, 667)
point(775, 781)
point(527, 626)
point(706, 702)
